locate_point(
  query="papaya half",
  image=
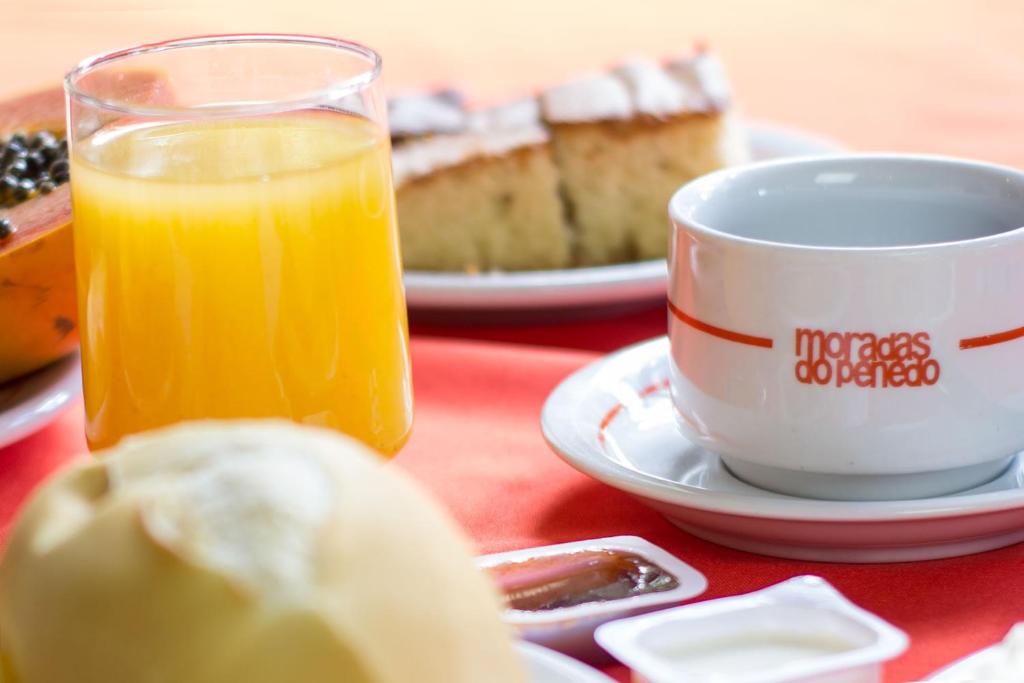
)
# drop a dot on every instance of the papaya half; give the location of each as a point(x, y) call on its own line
point(38, 309)
point(38, 312)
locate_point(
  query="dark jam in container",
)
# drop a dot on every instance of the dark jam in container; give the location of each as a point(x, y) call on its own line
point(569, 579)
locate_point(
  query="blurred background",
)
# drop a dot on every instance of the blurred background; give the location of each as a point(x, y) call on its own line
point(944, 76)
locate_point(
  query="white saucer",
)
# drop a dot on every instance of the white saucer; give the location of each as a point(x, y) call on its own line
point(600, 288)
point(32, 402)
point(548, 666)
point(614, 421)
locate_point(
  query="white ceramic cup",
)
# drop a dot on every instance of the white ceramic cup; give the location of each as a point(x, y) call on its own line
point(851, 327)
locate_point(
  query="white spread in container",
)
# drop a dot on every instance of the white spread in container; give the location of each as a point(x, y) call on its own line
point(799, 630)
point(750, 651)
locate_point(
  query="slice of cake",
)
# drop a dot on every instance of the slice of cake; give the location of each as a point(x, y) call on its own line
point(625, 140)
point(417, 115)
point(484, 199)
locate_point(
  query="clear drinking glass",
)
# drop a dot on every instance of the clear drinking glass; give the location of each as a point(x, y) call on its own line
point(235, 238)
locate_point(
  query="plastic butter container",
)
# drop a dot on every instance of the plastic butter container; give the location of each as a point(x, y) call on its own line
point(548, 666)
point(558, 594)
point(798, 631)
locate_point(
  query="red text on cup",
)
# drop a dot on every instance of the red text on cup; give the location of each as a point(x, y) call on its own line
point(865, 359)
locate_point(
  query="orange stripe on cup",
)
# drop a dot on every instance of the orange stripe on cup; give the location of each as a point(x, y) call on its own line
point(719, 332)
point(990, 339)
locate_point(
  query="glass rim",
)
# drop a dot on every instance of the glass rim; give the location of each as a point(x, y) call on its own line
point(315, 98)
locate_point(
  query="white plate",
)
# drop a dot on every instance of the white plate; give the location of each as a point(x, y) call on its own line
point(548, 666)
point(614, 421)
point(604, 287)
point(30, 403)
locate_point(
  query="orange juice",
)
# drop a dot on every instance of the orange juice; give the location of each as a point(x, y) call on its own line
point(241, 268)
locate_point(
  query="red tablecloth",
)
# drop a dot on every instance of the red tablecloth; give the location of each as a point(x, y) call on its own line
point(478, 447)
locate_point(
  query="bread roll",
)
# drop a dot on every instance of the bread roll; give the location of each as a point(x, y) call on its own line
point(246, 552)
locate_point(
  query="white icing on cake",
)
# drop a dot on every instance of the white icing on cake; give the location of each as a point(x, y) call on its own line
point(418, 158)
point(592, 98)
point(489, 132)
point(704, 76)
point(654, 91)
point(640, 88)
point(426, 114)
point(519, 114)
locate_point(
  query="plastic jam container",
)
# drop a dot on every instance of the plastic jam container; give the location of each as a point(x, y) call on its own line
point(801, 630)
point(558, 594)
